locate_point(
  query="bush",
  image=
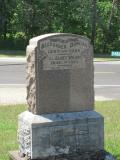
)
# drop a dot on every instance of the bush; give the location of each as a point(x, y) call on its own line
point(14, 42)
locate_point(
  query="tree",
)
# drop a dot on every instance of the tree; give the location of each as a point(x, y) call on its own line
point(6, 12)
point(110, 34)
point(98, 20)
point(93, 21)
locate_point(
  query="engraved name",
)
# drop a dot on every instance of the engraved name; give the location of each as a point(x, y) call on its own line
point(63, 54)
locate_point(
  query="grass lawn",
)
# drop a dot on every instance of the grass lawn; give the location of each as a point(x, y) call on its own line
point(12, 53)
point(111, 112)
point(109, 109)
point(107, 59)
point(21, 53)
point(8, 128)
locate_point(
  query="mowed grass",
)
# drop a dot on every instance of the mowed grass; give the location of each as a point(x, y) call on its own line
point(111, 112)
point(22, 53)
point(12, 53)
point(8, 127)
point(106, 59)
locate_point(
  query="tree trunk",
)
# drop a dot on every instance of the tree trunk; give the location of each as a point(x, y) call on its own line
point(108, 34)
point(93, 22)
point(111, 15)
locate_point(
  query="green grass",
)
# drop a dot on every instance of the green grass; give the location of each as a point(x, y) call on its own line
point(12, 53)
point(111, 112)
point(107, 59)
point(21, 53)
point(8, 127)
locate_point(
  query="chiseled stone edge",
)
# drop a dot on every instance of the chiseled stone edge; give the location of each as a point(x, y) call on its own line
point(24, 138)
point(31, 81)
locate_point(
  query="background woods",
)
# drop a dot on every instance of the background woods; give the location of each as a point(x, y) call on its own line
point(97, 19)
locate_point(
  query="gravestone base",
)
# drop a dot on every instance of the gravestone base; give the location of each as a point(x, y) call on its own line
point(42, 136)
point(98, 155)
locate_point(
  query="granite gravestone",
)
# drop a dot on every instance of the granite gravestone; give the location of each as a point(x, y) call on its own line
point(60, 96)
point(60, 74)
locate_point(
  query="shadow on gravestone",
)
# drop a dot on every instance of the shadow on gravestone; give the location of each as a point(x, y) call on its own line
point(60, 121)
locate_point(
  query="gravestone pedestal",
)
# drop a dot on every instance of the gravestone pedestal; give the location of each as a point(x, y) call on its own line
point(42, 136)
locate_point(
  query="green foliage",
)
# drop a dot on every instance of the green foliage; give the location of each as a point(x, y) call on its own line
point(108, 28)
point(16, 41)
point(22, 20)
